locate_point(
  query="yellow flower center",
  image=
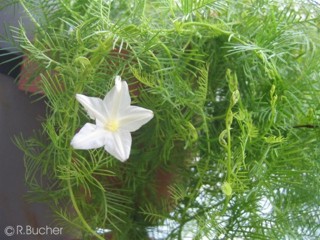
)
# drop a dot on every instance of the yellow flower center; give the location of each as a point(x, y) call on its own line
point(112, 125)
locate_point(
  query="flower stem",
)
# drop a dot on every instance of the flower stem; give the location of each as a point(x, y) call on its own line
point(73, 200)
point(75, 206)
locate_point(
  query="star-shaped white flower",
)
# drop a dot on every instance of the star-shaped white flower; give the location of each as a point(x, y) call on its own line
point(115, 119)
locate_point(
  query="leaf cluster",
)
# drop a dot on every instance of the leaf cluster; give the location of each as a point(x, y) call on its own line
point(232, 151)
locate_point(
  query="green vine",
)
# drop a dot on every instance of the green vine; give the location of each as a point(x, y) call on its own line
point(232, 150)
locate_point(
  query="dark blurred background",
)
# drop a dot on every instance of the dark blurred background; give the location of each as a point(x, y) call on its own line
point(20, 113)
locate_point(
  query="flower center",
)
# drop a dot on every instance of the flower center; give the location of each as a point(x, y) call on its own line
point(111, 126)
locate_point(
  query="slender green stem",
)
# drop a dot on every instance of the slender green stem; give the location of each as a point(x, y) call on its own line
point(229, 153)
point(73, 200)
point(75, 206)
point(30, 15)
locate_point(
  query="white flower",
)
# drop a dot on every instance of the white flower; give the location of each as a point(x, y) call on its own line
point(115, 119)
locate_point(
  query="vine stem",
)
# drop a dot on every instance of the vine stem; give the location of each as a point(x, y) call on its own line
point(73, 200)
point(30, 15)
point(229, 169)
point(75, 206)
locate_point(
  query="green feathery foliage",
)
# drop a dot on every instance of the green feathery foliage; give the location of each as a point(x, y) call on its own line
point(233, 149)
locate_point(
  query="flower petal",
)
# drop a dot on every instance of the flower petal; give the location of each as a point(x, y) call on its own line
point(119, 145)
point(117, 98)
point(94, 107)
point(89, 137)
point(132, 118)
